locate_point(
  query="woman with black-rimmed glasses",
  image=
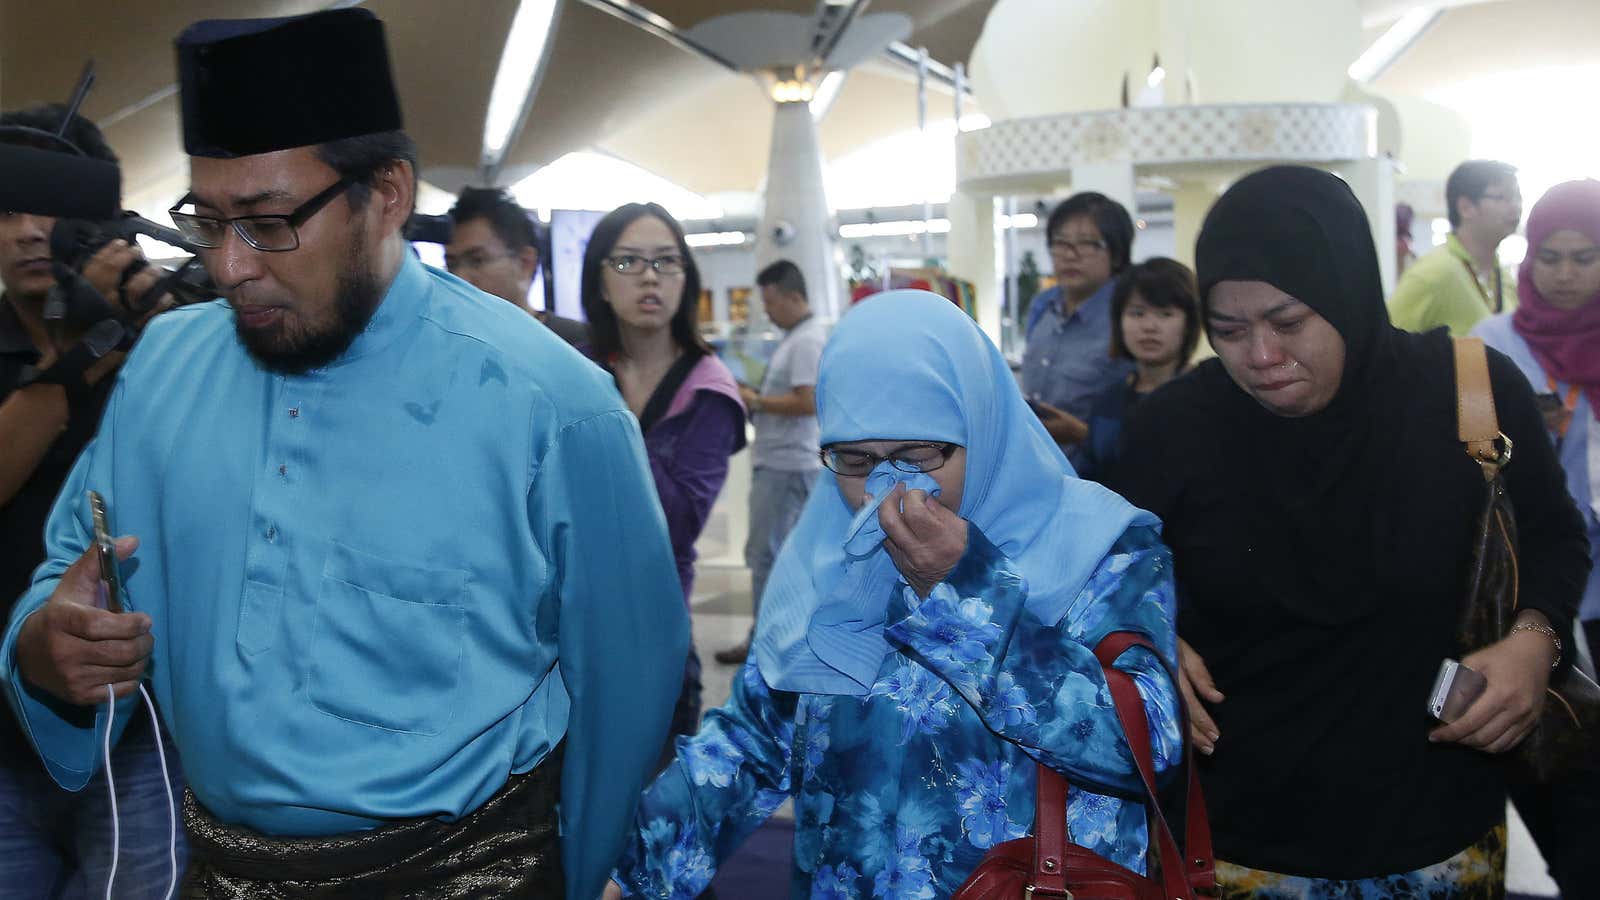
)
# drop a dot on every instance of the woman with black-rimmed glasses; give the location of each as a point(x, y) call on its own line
point(640, 287)
point(1066, 363)
point(925, 639)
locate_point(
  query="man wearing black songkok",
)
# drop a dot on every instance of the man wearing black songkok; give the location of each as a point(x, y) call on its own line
point(402, 563)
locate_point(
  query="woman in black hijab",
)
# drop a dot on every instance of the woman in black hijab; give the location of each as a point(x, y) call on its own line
point(1320, 510)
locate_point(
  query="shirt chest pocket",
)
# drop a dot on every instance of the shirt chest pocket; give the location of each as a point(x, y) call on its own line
point(387, 644)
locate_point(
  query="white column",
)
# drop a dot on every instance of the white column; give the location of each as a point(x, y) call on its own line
point(1113, 178)
point(795, 222)
point(971, 250)
point(1373, 183)
point(1191, 200)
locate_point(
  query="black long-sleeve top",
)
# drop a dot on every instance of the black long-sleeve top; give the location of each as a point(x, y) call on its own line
point(1324, 767)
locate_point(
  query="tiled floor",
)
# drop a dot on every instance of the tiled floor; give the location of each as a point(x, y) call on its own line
point(721, 614)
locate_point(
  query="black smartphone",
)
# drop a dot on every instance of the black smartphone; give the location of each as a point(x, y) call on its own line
point(106, 550)
point(1549, 404)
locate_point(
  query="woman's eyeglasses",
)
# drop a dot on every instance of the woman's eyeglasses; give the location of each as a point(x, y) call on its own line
point(628, 264)
point(1063, 247)
point(919, 458)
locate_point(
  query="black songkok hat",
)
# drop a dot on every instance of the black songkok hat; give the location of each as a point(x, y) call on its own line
point(259, 85)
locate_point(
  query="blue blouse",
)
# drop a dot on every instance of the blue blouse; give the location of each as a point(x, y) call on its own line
point(899, 793)
point(1111, 408)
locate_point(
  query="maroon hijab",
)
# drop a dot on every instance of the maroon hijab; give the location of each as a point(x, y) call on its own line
point(1565, 341)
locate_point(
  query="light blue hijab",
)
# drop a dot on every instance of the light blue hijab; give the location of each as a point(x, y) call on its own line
point(910, 365)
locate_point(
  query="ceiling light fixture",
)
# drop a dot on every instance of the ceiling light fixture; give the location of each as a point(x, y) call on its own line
point(715, 239)
point(793, 91)
point(520, 65)
point(1392, 43)
point(827, 92)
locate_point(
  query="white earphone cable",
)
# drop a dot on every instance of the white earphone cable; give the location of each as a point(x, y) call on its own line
point(111, 788)
point(166, 782)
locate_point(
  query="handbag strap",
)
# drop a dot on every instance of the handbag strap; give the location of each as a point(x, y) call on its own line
point(1050, 838)
point(1197, 824)
point(1476, 422)
point(1050, 833)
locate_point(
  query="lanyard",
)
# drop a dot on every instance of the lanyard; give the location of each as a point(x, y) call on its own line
point(1499, 291)
point(1570, 402)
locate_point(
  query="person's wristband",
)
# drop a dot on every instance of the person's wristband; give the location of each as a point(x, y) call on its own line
point(68, 371)
point(1545, 630)
point(138, 265)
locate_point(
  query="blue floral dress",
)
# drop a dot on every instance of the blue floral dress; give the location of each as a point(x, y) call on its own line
point(899, 793)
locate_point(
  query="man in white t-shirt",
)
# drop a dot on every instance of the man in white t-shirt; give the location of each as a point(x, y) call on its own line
point(784, 412)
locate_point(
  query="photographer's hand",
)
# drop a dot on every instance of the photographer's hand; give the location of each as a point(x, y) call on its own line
point(104, 272)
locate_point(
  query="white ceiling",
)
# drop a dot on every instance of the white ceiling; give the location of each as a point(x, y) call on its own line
point(612, 87)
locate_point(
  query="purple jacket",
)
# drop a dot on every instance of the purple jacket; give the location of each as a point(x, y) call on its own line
point(689, 450)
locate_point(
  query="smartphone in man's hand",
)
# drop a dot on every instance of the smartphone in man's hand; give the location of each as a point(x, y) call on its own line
point(106, 550)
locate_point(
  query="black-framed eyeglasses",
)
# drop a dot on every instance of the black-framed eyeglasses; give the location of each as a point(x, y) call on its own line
point(1076, 248)
point(916, 458)
point(628, 264)
point(269, 234)
point(469, 262)
point(1513, 197)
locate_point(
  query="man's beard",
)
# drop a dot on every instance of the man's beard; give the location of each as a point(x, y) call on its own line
point(296, 347)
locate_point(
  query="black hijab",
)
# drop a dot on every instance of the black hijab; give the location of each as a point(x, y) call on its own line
point(1320, 484)
point(1321, 561)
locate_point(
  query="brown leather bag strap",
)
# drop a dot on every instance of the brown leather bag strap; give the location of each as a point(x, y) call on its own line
point(1049, 875)
point(1136, 727)
point(1050, 834)
point(1476, 422)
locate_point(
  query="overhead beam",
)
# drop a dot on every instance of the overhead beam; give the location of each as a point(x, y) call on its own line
point(1394, 42)
point(912, 58)
point(642, 18)
point(846, 19)
point(162, 93)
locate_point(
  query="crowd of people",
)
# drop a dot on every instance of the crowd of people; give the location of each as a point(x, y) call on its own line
point(405, 565)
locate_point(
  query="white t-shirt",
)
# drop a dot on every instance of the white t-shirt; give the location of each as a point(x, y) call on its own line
point(790, 443)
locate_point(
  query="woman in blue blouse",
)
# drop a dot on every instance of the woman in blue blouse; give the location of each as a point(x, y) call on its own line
point(926, 638)
point(1155, 322)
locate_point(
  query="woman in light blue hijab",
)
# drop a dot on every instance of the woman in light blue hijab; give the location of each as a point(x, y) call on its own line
point(927, 637)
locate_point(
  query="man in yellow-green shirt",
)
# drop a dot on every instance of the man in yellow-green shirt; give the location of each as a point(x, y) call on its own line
point(1461, 282)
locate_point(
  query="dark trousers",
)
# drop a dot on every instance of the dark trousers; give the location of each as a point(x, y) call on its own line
point(1564, 818)
point(686, 712)
point(56, 844)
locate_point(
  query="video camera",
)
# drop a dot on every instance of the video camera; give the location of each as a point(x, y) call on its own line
point(84, 196)
point(429, 229)
point(74, 241)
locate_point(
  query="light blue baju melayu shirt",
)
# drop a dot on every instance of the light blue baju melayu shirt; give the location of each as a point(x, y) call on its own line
point(380, 588)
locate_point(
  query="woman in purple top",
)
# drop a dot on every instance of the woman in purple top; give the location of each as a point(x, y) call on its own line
point(640, 287)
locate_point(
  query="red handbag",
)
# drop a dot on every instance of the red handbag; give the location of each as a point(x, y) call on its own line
point(1048, 865)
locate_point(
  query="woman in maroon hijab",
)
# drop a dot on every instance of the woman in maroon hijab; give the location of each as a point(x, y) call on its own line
point(1554, 338)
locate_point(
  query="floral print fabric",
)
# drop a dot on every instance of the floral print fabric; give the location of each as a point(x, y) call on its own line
point(898, 794)
point(1476, 873)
